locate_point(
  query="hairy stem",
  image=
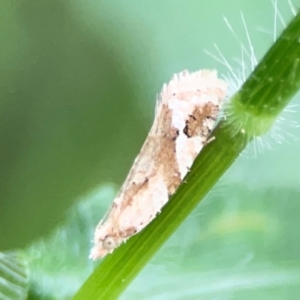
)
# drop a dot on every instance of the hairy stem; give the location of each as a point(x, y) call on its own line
point(251, 113)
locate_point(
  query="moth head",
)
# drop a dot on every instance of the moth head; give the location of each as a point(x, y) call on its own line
point(109, 243)
point(103, 246)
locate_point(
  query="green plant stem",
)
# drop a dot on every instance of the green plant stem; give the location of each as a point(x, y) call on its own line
point(116, 271)
point(256, 105)
point(277, 77)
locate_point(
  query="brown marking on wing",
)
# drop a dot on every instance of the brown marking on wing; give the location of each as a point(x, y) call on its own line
point(195, 124)
point(167, 161)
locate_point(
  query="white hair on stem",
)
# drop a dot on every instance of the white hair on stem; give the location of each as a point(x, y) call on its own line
point(239, 70)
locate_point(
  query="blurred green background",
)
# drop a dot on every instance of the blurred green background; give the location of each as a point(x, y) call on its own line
point(78, 84)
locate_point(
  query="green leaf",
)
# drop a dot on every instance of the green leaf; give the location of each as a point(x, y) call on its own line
point(237, 248)
point(59, 263)
point(13, 276)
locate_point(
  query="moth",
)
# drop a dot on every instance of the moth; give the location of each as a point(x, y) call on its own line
point(185, 114)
